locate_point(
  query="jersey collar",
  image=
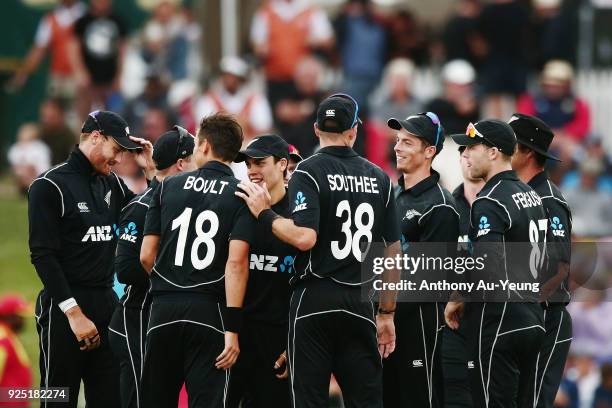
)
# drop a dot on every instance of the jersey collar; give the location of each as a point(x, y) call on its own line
point(340, 151)
point(422, 185)
point(218, 166)
point(538, 179)
point(80, 162)
point(503, 175)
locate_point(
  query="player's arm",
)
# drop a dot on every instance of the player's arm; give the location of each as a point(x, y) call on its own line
point(559, 246)
point(152, 230)
point(299, 232)
point(45, 210)
point(127, 260)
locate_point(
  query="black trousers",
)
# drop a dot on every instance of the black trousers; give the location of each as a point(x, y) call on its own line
point(412, 375)
point(504, 340)
point(457, 392)
point(253, 382)
point(127, 334)
point(552, 357)
point(331, 331)
point(184, 338)
point(63, 364)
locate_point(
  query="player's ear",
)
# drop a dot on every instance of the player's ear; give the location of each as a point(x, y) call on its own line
point(283, 164)
point(316, 130)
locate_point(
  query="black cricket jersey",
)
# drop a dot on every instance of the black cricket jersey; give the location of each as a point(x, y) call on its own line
point(348, 201)
point(73, 213)
point(560, 228)
point(196, 214)
point(270, 269)
point(427, 212)
point(463, 208)
point(508, 211)
point(127, 260)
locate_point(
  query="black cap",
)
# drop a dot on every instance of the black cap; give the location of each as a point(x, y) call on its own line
point(337, 113)
point(110, 124)
point(175, 144)
point(490, 131)
point(423, 125)
point(264, 146)
point(533, 133)
point(294, 154)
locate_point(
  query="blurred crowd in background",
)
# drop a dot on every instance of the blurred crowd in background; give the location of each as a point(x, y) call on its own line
point(488, 59)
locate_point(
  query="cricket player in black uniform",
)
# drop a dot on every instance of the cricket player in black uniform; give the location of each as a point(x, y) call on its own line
point(263, 339)
point(196, 245)
point(504, 337)
point(73, 211)
point(426, 213)
point(172, 154)
point(339, 201)
point(455, 362)
point(534, 138)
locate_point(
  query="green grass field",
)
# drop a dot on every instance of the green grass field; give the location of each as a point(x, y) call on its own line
point(17, 275)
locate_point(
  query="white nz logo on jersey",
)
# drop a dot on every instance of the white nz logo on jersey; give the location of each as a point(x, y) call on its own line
point(98, 233)
point(83, 207)
point(263, 262)
point(107, 197)
point(410, 214)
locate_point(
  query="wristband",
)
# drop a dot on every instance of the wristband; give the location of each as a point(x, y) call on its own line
point(267, 217)
point(384, 312)
point(67, 304)
point(232, 319)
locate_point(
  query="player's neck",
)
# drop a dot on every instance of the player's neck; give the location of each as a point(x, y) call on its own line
point(496, 168)
point(528, 172)
point(277, 192)
point(413, 178)
point(471, 189)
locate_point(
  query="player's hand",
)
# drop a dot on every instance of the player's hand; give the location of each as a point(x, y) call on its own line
point(144, 156)
point(385, 332)
point(281, 363)
point(85, 331)
point(453, 313)
point(257, 198)
point(230, 353)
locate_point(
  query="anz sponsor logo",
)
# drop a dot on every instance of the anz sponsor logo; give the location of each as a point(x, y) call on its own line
point(483, 226)
point(130, 233)
point(98, 233)
point(300, 202)
point(270, 263)
point(558, 229)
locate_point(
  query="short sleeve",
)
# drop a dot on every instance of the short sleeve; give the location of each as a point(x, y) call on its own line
point(153, 220)
point(43, 32)
point(391, 232)
point(560, 231)
point(488, 219)
point(304, 199)
point(244, 226)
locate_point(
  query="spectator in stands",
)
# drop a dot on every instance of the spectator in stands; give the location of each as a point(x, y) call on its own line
point(15, 367)
point(407, 38)
point(591, 209)
point(171, 41)
point(97, 52)
point(155, 122)
point(296, 113)
point(603, 393)
point(458, 105)
point(232, 93)
point(154, 96)
point(283, 32)
point(53, 34)
point(592, 147)
point(567, 395)
point(592, 327)
point(557, 105)
point(362, 42)
point(503, 26)
point(460, 37)
point(29, 156)
point(54, 131)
